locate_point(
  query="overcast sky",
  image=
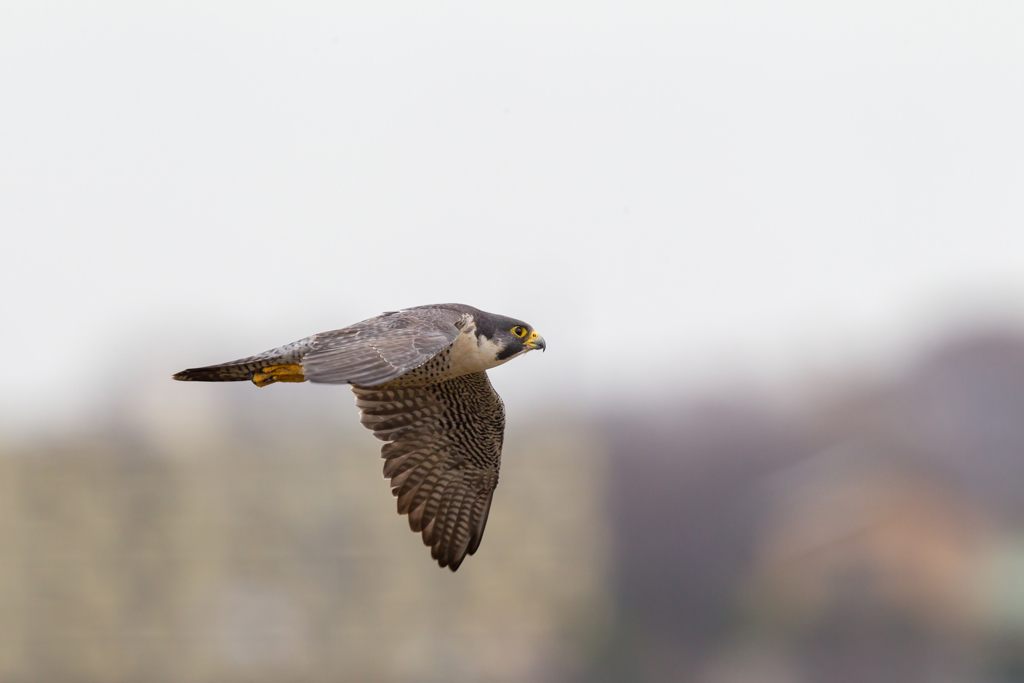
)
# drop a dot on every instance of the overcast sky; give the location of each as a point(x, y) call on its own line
point(672, 195)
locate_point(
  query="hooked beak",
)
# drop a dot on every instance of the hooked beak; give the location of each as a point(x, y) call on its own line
point(535, 342)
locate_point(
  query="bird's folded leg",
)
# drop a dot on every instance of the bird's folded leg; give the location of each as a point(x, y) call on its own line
point(278, 373)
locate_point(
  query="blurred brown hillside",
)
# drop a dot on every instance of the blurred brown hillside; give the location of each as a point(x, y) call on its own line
point(273, 552)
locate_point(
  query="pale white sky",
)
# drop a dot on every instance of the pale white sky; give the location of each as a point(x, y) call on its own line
point(671, 195)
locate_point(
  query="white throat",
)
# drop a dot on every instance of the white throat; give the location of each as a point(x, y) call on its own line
point(472, 355)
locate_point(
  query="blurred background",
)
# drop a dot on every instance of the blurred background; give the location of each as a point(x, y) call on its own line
point(777, 252)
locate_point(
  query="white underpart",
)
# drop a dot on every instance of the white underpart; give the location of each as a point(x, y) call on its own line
point(472, 355)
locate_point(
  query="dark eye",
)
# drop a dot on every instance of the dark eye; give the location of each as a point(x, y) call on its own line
point(519, 331)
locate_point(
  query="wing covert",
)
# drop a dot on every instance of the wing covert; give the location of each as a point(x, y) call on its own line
point(380, 349)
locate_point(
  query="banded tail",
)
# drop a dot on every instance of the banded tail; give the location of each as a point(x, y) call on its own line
point(278, 365)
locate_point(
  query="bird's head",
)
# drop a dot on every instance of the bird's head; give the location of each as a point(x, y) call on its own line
point(509, 337)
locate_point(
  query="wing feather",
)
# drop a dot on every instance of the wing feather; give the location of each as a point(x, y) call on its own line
point(442, 457)
point(381, 349)
point(480, 512)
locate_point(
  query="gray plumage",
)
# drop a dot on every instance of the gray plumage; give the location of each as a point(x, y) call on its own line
point(368, 353)
point(419, 376)
point(382, 348)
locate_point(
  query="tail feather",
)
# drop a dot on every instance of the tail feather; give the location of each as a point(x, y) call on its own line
point(250, 368)
point(238, 371)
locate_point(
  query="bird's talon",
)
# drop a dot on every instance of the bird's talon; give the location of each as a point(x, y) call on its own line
point(278, 373)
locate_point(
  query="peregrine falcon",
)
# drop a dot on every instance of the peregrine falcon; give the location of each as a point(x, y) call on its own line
point(420, 380)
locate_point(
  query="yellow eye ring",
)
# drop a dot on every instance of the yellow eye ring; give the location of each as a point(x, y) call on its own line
point(519, 331)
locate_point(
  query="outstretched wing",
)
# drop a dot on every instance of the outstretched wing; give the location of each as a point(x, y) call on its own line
point(380, 349)
point(442, 458)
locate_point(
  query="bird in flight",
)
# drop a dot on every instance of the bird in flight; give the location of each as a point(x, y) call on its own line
point(420, 380)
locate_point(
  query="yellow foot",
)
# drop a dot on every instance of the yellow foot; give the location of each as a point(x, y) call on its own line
point(278, 373)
